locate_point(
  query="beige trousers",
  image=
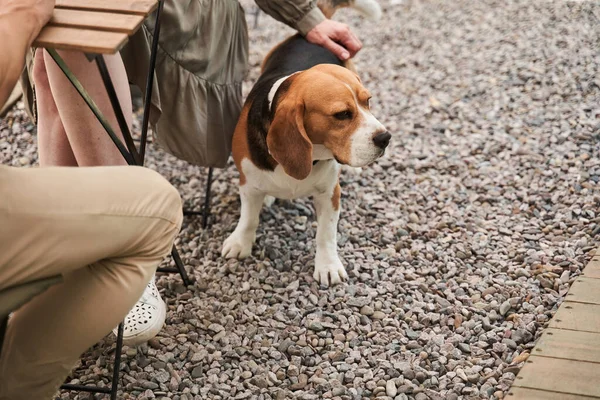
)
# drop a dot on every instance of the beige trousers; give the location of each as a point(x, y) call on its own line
point(105, 229)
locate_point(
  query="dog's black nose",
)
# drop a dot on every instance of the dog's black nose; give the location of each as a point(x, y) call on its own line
point(382, 139)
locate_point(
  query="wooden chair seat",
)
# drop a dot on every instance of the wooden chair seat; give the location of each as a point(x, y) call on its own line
point(94, 26)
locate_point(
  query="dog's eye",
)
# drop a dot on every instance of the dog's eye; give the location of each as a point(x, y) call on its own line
point(342, 115)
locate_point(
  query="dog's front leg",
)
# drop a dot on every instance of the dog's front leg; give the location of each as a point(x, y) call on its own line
point(239, 243)
point(328, 266)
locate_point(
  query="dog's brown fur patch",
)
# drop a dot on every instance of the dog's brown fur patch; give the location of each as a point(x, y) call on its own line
point(335, 199)
point(239, 145)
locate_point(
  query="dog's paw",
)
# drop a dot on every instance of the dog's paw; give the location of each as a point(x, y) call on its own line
point(268, 201)
point(330, 273)
point(237, 246)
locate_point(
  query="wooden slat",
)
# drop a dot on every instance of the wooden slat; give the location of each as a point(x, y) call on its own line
point(84, 40)
point(96, 20)
point(572, 345)
point(517, 393)
point(577, 316)
point(565, 362)
point(585, 290)
point(141, 7)
point(557, 375)
point(593, 268)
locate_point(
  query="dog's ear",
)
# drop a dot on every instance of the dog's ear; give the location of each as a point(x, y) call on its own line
point(287, 140)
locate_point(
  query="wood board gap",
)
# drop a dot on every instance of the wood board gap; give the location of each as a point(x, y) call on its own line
point(570, 330)
point(583, 396)
point(122, 12)
point(569, 359)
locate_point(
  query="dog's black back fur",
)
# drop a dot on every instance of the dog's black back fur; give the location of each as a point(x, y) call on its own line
point(295, 54)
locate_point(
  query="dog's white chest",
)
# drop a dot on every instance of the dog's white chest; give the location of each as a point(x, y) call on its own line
point(278, 184)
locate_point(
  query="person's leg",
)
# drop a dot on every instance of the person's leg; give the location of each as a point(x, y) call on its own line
point(105, 229)
point(53, 145)
point(88, 140)
point(75, 135)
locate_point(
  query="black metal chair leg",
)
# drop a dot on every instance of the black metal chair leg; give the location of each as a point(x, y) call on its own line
point(206, 210)
point(180, 268)
point(117, 364)
point(83, 388)
point(150, 82)
point(116, 105)
point(190, 212)
point(3, 326)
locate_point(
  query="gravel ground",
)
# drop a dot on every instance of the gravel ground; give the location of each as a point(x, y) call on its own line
point(459, 244)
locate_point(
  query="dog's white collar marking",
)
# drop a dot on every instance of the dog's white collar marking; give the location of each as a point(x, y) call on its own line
point(275, 87)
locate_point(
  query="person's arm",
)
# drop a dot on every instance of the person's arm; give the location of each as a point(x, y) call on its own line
point(20, 23)
point(301, 15)
point(308, 20)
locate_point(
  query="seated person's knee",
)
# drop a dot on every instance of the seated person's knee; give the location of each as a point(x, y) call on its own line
point(40, 74)
point(165, 195)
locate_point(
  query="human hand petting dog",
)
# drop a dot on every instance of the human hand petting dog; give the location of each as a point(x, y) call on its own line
point(335, 37)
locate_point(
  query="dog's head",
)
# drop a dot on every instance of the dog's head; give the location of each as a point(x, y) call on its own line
point(329, 106)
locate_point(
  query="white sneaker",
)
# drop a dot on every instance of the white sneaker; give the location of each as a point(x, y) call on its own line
point(146, 318)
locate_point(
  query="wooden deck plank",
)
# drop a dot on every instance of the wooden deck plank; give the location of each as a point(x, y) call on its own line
point(88, 41)
point(141, 7)
point(517, 393)
point(585, 290)
point(593, 268)
point(96, 20)
point(558, 375)
point(578, 317)
point(565, 362)
point(572, 345)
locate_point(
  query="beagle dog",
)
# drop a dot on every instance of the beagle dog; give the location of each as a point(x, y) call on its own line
point(307, 114)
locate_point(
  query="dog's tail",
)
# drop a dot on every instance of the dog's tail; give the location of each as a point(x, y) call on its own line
point(369, 8)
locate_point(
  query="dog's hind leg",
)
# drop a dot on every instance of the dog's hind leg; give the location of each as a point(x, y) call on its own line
point(239, 243)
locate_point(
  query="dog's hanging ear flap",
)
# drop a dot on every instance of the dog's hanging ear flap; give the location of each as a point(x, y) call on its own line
point(287, 140)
